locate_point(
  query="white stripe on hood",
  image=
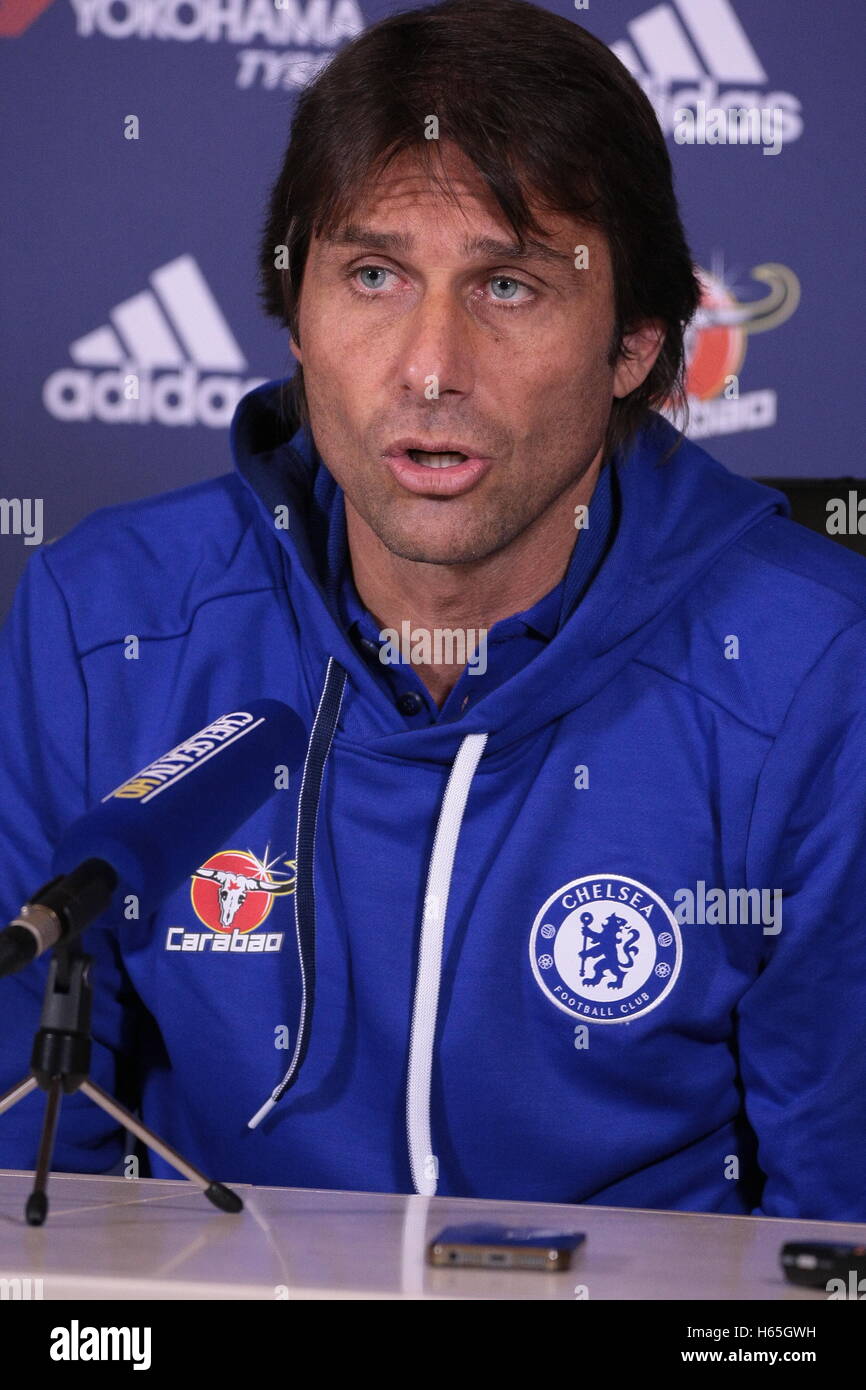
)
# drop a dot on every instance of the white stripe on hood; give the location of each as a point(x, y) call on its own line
point(421, 1157)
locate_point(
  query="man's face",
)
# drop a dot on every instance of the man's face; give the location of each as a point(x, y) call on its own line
point(442, 339)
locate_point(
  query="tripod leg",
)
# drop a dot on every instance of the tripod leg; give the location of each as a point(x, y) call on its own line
point(216, 1192)
point(17, 1092)
point(36, 1209)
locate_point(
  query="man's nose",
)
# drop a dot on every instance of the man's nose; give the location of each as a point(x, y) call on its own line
point(437, 349)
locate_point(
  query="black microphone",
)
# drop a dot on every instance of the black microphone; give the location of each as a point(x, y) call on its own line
point(147, 835)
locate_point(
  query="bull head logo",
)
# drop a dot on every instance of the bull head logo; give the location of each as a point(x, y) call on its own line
point(232, 890)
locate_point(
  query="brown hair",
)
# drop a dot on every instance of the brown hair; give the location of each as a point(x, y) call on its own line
point(539, 105)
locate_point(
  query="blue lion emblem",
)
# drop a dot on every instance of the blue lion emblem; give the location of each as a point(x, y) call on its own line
point(611, 947)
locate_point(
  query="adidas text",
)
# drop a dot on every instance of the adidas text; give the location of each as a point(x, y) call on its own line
point(184, 397)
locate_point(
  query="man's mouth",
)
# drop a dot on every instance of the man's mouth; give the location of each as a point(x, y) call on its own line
point(431, 460)
point(437, 473)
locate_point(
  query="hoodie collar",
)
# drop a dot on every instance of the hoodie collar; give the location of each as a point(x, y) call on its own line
point(677, 516)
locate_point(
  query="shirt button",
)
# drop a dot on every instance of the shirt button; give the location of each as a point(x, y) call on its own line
point(370, 647)
point(409, 703)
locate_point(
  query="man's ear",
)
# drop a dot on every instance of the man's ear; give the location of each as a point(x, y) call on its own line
point(296, 350)
point(640, 350)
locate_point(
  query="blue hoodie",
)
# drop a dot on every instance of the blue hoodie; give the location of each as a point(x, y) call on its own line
point(598, 938)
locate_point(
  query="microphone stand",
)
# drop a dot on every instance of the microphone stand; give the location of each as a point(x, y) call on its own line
point(60, 1064)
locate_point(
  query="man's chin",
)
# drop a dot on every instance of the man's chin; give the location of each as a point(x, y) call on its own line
point(452, 550)
point(425, 536)
point(450, 558)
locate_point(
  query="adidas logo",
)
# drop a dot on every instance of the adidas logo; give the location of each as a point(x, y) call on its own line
point(702, 43)
point(167, 355)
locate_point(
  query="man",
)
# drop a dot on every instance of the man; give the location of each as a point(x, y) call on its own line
point(579, 850)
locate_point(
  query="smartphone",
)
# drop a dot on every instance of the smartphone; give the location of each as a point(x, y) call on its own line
point(504, 1247)
point(815, 1262)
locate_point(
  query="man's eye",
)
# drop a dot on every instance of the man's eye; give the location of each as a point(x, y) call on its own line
point(371, 270)
point(508, 280)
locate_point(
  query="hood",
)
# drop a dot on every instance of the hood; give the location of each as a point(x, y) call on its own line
point(677, 517)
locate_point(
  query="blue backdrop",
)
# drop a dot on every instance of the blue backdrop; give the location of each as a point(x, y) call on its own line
point(138, 254)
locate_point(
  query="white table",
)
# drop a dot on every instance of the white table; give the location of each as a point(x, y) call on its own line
point(116, 1238)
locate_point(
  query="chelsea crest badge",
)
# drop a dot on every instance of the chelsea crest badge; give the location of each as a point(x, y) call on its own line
point(605, 949)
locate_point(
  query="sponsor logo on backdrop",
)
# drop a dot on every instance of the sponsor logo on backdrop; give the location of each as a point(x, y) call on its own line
point(232, 894)
point(167, 356)
point(696, 54)
point(715, 345)
point(18, 15)
point(685, 53)
point(605, 949)
point(282, 44)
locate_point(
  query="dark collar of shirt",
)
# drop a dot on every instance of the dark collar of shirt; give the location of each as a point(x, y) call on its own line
point(510, 644)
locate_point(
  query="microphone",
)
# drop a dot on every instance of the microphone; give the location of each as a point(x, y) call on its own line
point(147, 835)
